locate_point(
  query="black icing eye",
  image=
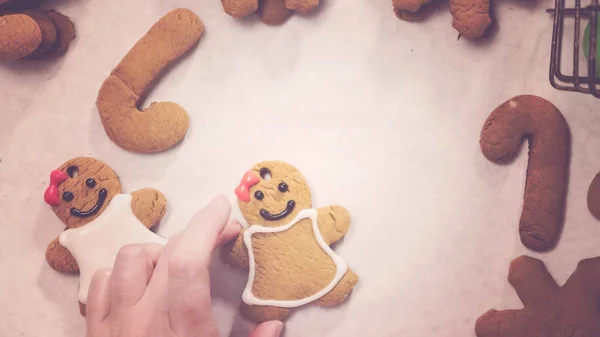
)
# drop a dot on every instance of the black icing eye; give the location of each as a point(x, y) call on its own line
point(282, 187)
point(90, 183)
point(259, 195)
point(67, 196)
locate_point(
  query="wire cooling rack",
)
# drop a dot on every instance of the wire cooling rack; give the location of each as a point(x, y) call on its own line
point(581, 77)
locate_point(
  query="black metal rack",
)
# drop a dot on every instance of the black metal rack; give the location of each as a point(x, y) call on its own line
point(589, 83)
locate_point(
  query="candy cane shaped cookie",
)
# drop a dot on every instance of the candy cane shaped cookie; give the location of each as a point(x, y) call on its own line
point(541, 123)
point(163, 124)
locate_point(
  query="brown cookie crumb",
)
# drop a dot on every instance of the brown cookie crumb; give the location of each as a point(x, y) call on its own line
point(20, 35)
point(541, 123)
point(470, 18)
point(550, 310)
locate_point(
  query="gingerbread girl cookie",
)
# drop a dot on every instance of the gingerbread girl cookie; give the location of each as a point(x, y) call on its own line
point(286, 247)
point(85, 194)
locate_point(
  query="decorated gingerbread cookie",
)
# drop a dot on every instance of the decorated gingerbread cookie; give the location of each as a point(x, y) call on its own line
point(550, 311)
point(85, 194)
point(285, 248)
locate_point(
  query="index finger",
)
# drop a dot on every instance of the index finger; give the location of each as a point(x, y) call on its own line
point(188, 260)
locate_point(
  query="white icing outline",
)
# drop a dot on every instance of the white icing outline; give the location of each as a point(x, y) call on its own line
point(340, 264)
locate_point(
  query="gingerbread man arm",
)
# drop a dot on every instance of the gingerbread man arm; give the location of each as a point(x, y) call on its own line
point(236, 253)
point(525, 271)
point(334, 222)
point(149, 206)
point(585, 278)
point(60, 259)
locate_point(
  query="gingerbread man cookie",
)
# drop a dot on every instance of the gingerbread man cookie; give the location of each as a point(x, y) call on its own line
point(85, 194)
point(285, 248)
point(550, 311)
point(271, 12)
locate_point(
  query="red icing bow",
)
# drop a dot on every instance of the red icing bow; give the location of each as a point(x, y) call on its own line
point(243, 190)
point(51, 194)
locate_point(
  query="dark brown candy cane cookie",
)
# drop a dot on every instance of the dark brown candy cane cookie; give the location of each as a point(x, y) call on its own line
point(537, 120)
point(572, 310)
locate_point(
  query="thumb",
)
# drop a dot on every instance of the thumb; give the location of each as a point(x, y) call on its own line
point(267, 329)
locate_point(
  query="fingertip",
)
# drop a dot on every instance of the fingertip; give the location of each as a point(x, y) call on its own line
point(268, 329)
point(220, 201)
point(230, 232)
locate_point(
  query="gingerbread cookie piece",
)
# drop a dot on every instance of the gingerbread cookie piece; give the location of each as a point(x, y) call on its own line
point(541, 123)
point(48, 29)
point(286, 247)
point(550, 310)
point(239, 8)
point(593, 197)
point(163, 124)
point(81, 192)
point(408, 5)
point(272, 12)
point(20, 35)
point(65, 31)
point(470, 18)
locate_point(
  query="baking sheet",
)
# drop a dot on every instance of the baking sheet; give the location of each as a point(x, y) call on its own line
point(382, 116)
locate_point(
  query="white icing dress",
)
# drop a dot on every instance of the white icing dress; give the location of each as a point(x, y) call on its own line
point(341, 267)
point(96, 244)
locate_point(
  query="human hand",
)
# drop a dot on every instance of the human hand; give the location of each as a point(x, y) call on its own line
point(165, 291)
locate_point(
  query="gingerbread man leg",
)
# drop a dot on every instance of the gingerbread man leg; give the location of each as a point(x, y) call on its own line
point(514, 323)
point(334, 222)
point(260, 313)
point(526, 271)
point(149, 206)
point(60, 259)
point(339, 293)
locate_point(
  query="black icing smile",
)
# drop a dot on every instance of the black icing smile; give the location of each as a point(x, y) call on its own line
point(274, 217)
point(102, 193)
